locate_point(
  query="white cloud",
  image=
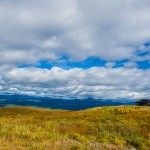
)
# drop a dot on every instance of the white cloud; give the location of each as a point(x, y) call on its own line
point(130, 65)
point(107, 29)
point(94, 82)
point(110, 64)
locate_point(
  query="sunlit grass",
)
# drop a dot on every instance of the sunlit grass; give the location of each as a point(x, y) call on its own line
point(107, 127)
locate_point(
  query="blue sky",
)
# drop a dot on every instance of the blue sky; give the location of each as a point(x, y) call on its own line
point(88, 63)
point(64, 48)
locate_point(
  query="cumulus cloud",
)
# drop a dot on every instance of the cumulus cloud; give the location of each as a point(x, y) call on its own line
point(109, 64)
point(47, 29)
point(96, 82)
point(130, 65)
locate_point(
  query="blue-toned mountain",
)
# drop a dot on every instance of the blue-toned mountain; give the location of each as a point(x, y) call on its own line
point(57, 103)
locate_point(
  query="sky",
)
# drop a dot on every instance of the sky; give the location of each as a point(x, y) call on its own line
point(75, 48)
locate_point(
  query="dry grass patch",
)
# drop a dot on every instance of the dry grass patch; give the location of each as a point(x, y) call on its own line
point(108, 127)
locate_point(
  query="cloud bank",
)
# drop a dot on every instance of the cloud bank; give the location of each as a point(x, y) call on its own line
point(105, 83)
point(32, 30)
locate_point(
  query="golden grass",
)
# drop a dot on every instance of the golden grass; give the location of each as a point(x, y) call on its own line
point(98, 128)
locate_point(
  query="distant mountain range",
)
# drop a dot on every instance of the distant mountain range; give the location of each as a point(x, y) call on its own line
point(57, 103)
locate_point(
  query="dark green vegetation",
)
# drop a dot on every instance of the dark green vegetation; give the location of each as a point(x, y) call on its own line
point(99, 128)
point(143, 102)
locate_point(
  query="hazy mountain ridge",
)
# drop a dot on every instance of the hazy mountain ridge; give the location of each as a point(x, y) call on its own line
point(57, 103)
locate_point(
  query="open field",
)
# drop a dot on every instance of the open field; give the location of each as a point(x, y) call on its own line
point(123, 127)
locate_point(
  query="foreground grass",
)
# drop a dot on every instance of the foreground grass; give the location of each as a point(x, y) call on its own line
point(99, 128)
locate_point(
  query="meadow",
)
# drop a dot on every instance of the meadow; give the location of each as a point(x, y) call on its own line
point(114, 128)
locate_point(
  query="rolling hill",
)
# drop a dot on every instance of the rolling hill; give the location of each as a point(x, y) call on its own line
point(114, 128)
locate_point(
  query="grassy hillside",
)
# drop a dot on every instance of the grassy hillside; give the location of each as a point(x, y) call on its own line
point(99, 128)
